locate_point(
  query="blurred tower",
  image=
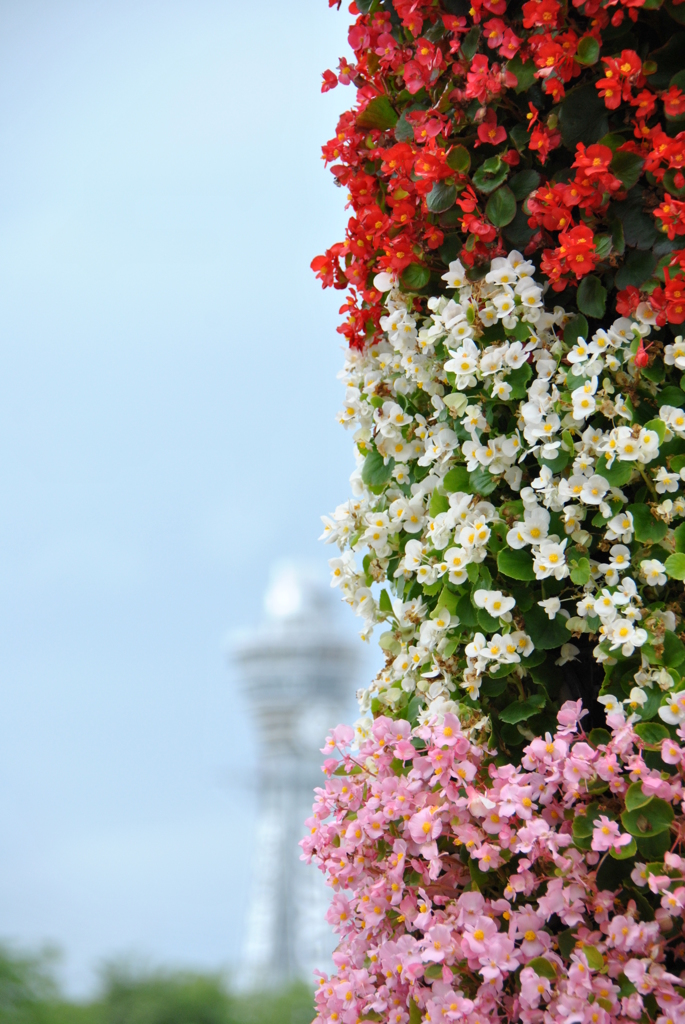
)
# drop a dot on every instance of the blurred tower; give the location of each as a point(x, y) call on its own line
point(297, 673)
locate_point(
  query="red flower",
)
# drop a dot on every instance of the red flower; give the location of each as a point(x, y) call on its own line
point(330, 80)
point(489, 131)
point(621, 73)
point(645, 104)
point(544, 140)
point(594, 160)
point(671, 213)
point(434, 238)
point(674, 103)
point(541, 12)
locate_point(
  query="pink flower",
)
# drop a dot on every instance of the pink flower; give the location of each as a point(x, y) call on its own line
point(671, 753)
point(438, 943)
point(607, 835)
point(425, 826)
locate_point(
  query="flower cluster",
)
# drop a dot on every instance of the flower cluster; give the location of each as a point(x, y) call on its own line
point(517, 516)
point(515, 504)
point(470, 889)
point(552, 128)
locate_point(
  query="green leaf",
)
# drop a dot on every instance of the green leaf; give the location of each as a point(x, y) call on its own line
point(433, 972)
point(619, 474)
point(518, 379)
point(592, 296)
point(441, 197)
point(581, 573)
point(576, 328)
point(414, 277)
point(375, 473)
point(654, 847)
point(520, 710)
point(670, 59)
point(635, 797)
point(516, 564)
point(594, 958)
point(677, 12)
point(588, 51)
point(583, 825)
point(543, 968)
point(493, 687)
point(487, 622)
point(469, 43)
point(679, 534)
point(384, 602)
point(524, 71)
point(415, 1015)
point(482, 481)
point(647, 528)
point(438, 503)
point(466, 612)
point(638, 226)
point(523, 183)
point(675, 566)
point(669, 184)
point(583, 117)
point(674, 650)
point(638, 267)
point(611, 873)
point(651, 732)
point(603, 245)
point(626, 166)
point(599, 736)
point(519, 136)
point(566, 941)
point(490, 175)
point(459, 159)
point(457, 480)
point(379, 113)
point(655, 817)
point(670, 395)
point(404, 130)
point(500, 208)
point(546, 634)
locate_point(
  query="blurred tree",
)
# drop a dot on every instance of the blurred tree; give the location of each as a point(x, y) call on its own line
point(134, 997)
point(29, 994)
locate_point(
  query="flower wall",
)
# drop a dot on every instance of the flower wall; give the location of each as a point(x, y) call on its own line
point(502, 828)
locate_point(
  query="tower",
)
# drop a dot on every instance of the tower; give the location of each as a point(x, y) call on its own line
point(297, 673)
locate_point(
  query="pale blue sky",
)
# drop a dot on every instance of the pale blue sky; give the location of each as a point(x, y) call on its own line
point(167, 401)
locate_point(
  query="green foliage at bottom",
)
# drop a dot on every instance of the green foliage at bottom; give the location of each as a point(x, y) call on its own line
point(29, 994)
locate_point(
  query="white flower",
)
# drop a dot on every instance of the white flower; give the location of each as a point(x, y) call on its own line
point(673, 418)
point(456, 275)
point(457, 559)
point(637, 699)
point(653, 571)
point(675, 354)
point(383, 282)
point(673, 713)
point(550, 560)
point(568, 652)
point(594, 489)
point(620, 527)
point(622, 633)
point(495, 603)
point(665, 481)
point(612, 706)
point(552, 606)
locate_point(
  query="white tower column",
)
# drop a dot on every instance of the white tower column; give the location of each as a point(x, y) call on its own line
point(297, 673)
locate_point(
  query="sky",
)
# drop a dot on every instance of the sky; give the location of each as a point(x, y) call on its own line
point(167, 431)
